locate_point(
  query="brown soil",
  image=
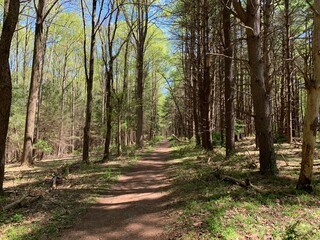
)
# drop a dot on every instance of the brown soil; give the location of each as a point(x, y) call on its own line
point(134, 208)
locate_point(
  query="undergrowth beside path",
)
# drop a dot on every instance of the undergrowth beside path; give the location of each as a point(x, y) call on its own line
point(57, 208)
point(210, 207)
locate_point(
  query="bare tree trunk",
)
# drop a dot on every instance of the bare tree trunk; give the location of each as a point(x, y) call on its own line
point(139, 94)
point(25, 54)
point(38, 57)
point(194, 83)
point(312, 110)
point(260, 96)
point(288, 71)
point(89, 79)
point(205, 87)
point(11, 14)
point(109, 82)
point(140, 39)
point(61, 147)
point(229, 80)
point(17, 56)
point(109, 58)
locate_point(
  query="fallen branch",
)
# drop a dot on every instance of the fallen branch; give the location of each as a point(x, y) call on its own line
point(176, 138)
point(14, 204)
point(245, 184)
point(30, 200)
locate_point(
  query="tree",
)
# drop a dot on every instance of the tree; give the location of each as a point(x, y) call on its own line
point(140, 25)
point(89, 61)
point(110, 54)
point(10, 20)
point(35, 82)
point(228, 78)
point(261, 97)
point(312, 109)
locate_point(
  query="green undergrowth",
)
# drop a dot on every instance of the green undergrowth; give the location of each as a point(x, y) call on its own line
point(59, 208)
point(210, 207)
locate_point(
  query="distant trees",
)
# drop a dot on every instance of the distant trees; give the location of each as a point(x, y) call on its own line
point(10, 20)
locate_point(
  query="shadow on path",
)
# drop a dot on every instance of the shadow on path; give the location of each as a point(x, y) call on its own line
point(134, 208)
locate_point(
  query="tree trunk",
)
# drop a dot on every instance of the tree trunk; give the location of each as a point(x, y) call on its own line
point(9, 26)
point(288, 71)
point(61, 145)
point(260, 96)
point(25, 54)
point(195, 87)
point(38, 58)
point(140, 39)
point(205, 87)
point(109, 82)
point(229, 80)
point(89, 81)
point(312, 109)
point(139, 95)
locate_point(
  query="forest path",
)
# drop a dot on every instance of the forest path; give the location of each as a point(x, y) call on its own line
point(134, 208)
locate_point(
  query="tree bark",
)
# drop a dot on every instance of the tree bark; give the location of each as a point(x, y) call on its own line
point(229, 80)
point(9, 25)
point(205, 86)
point(109, 108)
point(288, 71)
point(139, 95)
point(38, 58)
point(312, 109)
point(89, 81)
point(261, 99)
point(140, 39)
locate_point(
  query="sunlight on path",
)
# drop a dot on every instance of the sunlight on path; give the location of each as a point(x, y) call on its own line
point(134, 208)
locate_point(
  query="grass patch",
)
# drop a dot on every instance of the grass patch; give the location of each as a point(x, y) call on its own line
point(211, 208)
point(57, 208)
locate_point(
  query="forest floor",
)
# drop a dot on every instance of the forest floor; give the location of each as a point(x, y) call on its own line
point(185, 194)
point(216, 198)
point(46, 208)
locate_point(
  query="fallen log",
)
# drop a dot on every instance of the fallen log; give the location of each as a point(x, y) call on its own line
point(24, 201)
point(176, 138)
point(245, 184)
point(14, 204)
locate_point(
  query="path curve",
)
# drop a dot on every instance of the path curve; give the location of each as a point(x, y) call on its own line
point(134, 208)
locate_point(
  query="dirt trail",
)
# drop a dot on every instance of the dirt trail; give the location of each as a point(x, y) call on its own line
point(134, 208)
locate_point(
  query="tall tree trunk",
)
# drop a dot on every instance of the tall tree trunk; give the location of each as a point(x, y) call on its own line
point(288, 71)
point(140, 39)
point(260, 96)
point(61, 146)
point(89, 81)
point(229, 80)
point(17, 56)
point(11, 14)
point(38, 58)
point(139, 95)
point(205, 90)
point(109, 82)
point(312, 109)
point(25, 54)
point(195, 87)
